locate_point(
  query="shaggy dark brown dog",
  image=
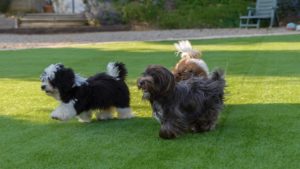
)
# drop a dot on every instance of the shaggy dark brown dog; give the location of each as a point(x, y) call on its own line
point(189, 105)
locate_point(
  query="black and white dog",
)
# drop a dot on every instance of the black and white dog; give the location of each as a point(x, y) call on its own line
point(189, 105)
point(78, 96)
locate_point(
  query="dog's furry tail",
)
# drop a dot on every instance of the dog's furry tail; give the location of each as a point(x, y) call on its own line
point(117, 70)
point(185, 49)
point(217, 83)
point(217, 75)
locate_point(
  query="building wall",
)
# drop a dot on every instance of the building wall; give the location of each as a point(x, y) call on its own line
point(21, 6)
point(60, 6)
point(66, 6)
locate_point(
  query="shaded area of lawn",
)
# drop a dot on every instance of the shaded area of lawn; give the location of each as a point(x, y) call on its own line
point(258, 128)
point(248, 136)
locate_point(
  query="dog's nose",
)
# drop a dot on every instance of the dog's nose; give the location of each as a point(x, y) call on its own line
point(43, 87)
point(55, 118)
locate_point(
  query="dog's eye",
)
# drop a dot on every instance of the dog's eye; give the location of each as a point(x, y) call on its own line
point(52, 83)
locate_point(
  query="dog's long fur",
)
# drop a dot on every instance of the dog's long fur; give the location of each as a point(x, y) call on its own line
point(190, 64)
point(78, 95)
point(189, 105)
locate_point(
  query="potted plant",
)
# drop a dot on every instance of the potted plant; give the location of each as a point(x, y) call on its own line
point(48, 7)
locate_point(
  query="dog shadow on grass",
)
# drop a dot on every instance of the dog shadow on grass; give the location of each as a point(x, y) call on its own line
point(234, 120)
point(259, 120)
point(244, 127)
point(241, 129)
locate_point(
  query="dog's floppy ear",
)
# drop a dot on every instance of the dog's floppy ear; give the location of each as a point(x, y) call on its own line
point(64, 80)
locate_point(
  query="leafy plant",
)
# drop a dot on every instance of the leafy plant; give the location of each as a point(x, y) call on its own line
point(289, 11)
point(4, 5)
point(186, 14)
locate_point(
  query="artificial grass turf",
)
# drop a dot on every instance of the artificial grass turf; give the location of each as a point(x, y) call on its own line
point(258, 128)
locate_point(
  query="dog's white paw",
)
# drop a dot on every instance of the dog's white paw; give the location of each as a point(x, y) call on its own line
point(103, 115)
point(64, 112)
point(60, 116)
point(85, 117)
point(125, 113)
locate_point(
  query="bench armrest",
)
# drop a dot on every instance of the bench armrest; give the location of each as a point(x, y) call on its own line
point(251, 10)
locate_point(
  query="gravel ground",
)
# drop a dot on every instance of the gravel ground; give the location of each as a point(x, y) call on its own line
point(14, 41)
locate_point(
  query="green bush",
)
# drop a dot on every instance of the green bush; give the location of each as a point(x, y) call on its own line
point(221, 15)
point(187, 14)
point(140, 11)
point(4, 5)
point(289, 11)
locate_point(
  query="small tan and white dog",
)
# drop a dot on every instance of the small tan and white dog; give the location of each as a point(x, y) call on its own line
point(190, 64)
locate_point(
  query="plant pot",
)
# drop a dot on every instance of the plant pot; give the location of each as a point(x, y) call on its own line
point(48, 8)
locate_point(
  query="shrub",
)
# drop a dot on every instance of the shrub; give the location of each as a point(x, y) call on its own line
point(289, 11)
point(140, 11)
point(4, 5)
point(187, 14)
point(101, 12)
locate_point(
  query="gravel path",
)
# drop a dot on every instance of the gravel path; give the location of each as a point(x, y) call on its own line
point(14, 41)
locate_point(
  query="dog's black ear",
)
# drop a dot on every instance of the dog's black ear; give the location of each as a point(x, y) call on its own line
point(59, 66)
point(163, 79)
point(64, 80)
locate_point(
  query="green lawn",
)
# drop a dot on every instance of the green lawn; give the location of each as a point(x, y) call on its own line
point(258, 128)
